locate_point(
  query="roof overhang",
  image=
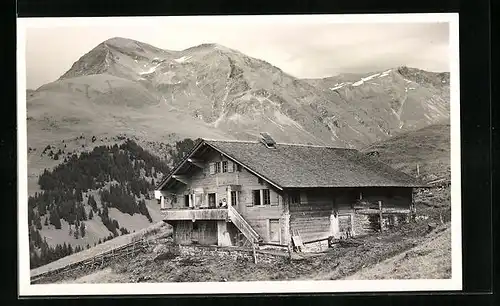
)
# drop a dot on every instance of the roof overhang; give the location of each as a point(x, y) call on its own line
point(168, 177)
point(355, 186)
point(188, 158)
point(246, 167)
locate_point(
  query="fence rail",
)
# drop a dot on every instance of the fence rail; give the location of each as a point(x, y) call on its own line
point(99, 260)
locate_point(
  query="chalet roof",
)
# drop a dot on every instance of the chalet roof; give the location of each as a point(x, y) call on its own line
point(302, 166)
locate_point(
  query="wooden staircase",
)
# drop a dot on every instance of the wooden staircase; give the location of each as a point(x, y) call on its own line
point(245, 228)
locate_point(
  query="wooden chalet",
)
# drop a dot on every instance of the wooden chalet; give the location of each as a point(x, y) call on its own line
point(232, 193)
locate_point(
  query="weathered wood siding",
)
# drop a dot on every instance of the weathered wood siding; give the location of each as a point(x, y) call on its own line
point(315, 216)
point(311, 217)
point(257, 216)
point(400, 198)
point(391, 197)
point(184, 233)
point(321, 212)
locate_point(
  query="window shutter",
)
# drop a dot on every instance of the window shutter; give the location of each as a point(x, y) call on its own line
point(230, 166)
point(276, 201)
point(212, 168)
point(252, 200)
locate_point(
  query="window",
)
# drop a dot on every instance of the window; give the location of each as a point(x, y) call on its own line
point(294, 198)
point(212, 168)
point(234, 198)
point(256, 197)
point(186, 200)
point(211, 200)
point(195, 226)
point(266, 196)
point(238, 167)
point(224, 166)
point(174, 199)
point(217, 167)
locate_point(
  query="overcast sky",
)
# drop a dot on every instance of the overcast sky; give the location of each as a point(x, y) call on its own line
point(302, 50)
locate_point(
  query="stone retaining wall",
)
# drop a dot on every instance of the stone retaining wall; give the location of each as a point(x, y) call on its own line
point(237, 254)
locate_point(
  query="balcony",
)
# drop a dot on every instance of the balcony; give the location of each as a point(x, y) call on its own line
point(195, 214)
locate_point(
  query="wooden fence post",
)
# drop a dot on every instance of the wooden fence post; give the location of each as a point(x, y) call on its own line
point(254, 253)
point(380, 214)
point(289, 247)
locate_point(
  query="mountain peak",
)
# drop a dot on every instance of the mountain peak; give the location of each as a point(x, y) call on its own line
point(118, 40)
point(422, 77)
point(211, 46)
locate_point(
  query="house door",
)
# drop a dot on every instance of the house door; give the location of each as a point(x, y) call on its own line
point(274, 230)
point(334, 220)
point(334, 225)
point(345, 225)
point(195, 233)
point(211, 200)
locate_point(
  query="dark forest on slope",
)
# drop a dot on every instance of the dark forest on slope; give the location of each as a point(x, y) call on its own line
point(124, 177)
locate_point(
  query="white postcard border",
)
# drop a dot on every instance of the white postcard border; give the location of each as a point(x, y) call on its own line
point(455, 283)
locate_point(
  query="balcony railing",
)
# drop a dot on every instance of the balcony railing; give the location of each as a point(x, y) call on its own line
point(195, 214)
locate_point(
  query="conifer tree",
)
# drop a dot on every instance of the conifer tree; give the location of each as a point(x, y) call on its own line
point(38, 222)
point(82, 229)
point(54, 219)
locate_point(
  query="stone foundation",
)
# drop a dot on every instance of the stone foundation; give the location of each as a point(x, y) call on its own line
point(232, 253)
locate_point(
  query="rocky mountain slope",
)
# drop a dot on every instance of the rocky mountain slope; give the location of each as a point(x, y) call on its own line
point(389, 102)
point(128, 89)
point(214, 91)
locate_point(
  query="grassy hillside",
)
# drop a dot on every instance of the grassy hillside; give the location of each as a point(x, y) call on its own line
point(94, 196)
point(429, 148)
point(345, 260)
point(159, 228)
point(429, 260)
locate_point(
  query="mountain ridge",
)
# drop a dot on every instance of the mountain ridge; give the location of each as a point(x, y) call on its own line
point(128, 89)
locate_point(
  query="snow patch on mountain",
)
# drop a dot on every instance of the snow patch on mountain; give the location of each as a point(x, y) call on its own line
point(360, 82)
point(337, 86)
point(182, 59)
point(150, 70)
point(385, 73)
point(370, 77)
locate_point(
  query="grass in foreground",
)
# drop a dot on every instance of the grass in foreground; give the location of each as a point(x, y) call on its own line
point(340, 262)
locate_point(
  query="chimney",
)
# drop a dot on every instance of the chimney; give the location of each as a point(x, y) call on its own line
point(267, 140)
